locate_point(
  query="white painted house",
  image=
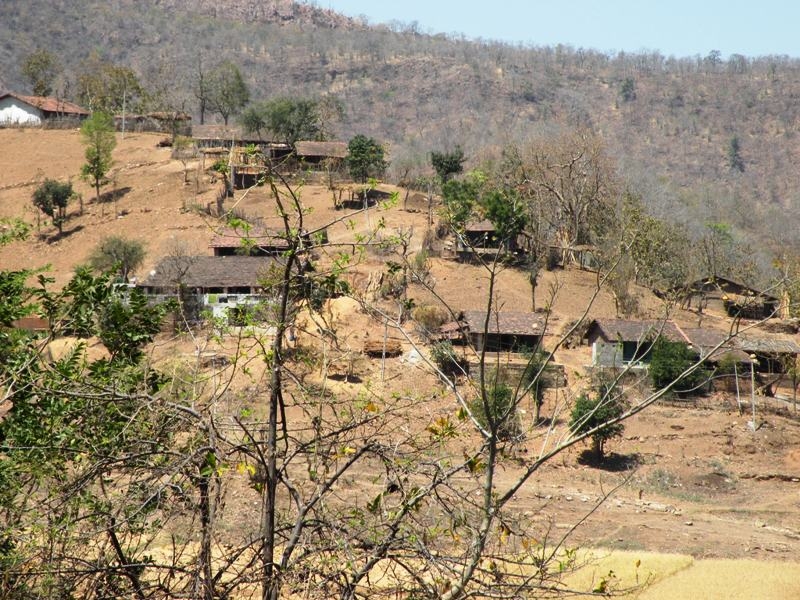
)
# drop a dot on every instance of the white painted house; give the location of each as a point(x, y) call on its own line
point(16, 109)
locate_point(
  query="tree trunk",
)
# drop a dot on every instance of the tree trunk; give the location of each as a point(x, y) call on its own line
point(537, 405)
point(597, 449)
point(204, 588)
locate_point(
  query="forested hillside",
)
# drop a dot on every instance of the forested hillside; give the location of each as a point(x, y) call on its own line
point(704, 139)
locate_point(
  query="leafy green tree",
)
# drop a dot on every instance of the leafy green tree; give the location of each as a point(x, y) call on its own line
point(505, 211)
point(496, 410)
point(447, 164)
point(531, 381)
point(446, 359)
point(735, 161)
point(52, 198)
point(460, 199)
point(254, 120)
point(657, 248)
point(628, 90)
point(289, 119)
point(106, 87)
point(668, 362)
point(476, 198)
point(128, 323)
point(365, 158)
point(99, 138)
point(73, 423)
point(16, 296)
point(95, 305)
point(227, 91)
point(41, 68)
point(595, 413)
point(120, 254)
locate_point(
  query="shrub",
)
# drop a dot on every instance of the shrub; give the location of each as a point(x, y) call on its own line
point(668, 362)
point(590, 412)
point(430, 318)
point(444, 357)
point(499, 412)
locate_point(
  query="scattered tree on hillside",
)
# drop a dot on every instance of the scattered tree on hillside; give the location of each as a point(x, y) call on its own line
point(448, 163)
point(99, 138)
point(120, 254)
point(41, 68)
point(52, 198)
point(720, 254)
point(288, 119)
point(735, 161)
point(106, 87)
point(658, 250)
point(627, 90)
point(201, 90)
point(569, 185)
point(713, 59)
point(330, 110)
point(598, 416)
point(365, 158)
point(226, 92)
point(184, 149)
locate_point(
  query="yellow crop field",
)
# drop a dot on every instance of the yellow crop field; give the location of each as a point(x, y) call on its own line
point(681, 577)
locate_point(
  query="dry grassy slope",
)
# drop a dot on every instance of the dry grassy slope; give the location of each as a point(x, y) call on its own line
point(421, 92)
point(706, 485)
point(148, 209)
point(155, 207)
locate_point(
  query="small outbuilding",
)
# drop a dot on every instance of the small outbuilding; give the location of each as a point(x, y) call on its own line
point(772, 355)
point(321, 152)
point(256, 241)
point(725, 296)
point(506, 331)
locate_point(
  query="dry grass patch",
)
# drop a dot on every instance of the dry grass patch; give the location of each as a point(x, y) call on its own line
point(717, 579)
point(620, 570)
point(681, 577)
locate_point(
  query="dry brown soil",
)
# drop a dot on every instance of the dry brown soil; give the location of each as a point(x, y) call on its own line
point(703, 483)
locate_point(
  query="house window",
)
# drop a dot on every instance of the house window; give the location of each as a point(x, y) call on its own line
point(638, 351)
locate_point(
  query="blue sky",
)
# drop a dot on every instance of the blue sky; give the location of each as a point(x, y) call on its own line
point(673, 27)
